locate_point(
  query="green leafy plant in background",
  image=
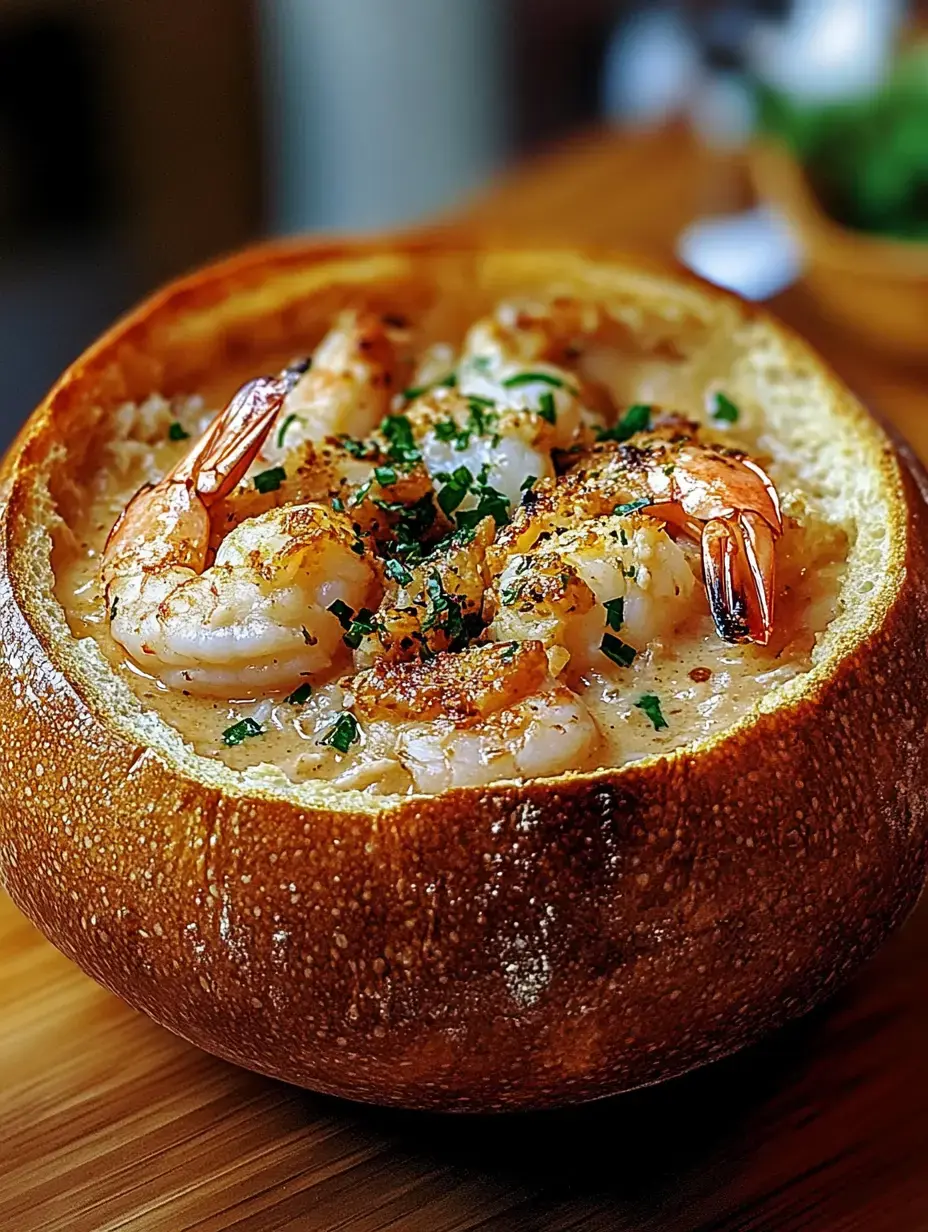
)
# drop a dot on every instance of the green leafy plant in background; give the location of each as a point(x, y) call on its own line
point(867, 159)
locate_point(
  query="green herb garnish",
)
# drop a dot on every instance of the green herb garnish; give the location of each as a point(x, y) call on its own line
point(359, 495)
point(270, 480)
point(342, 612)
point(615, 613)
point(618, 651)
point(385, 475)
point(177, 432)
point(300, 695)
point(402, 445)
point(446, 430)
point(357, 449)
point(113, 606)
point(412, 522)
point(360, 627)
point(343, 733)
point(509, 652)
point(630, 507)
point(651, 705)
point(546, 408)
point(636, 419)
point(356, 625)
point(528, 483)
point(445, 613)
point(530, 378)
point(724, 409)
point(490, 503)
point(282, 430)
point(456, 486)
point(396, 570)
point(241, 731)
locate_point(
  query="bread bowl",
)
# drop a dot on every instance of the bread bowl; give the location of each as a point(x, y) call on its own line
point(522, 943)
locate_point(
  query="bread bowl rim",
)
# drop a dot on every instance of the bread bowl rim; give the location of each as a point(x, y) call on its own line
point(41, 434)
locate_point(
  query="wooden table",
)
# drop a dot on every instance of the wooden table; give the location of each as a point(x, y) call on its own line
point(107, 1121)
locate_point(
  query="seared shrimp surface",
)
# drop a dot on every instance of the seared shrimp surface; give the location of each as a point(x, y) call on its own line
point(468, 719)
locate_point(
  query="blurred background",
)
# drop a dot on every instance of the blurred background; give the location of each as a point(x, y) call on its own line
point(140, 139)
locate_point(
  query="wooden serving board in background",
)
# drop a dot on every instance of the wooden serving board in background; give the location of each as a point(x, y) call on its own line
point(108, 1122)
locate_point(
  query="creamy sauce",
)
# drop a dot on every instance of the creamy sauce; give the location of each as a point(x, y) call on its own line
point(703, 683)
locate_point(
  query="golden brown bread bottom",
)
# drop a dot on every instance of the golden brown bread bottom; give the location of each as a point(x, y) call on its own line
point(520, 945)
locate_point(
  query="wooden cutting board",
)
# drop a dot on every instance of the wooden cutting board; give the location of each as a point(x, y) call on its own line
point(108, 1122)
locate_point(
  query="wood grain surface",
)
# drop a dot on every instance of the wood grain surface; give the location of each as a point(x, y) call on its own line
point(109, 1122)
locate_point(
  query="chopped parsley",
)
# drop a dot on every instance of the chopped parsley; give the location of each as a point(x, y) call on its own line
point(270, 480)
point(725, 411)
point(491, 503)
point(300, 695)
point(338, 504)
point(396, 570)
point(615, 613)
point(455, 487)
point(282, 430)
point(357, 449)
point(651, 705)
point(631, 507)
point(342, 612)
point(546, 407)
point(445, 614)
point(636, 419)
point(241, 731)
point(530, 378)
point(402, 445)
point(509, 652)
point(177, 432)
point(385, 475)
point(528, 483)
point(412, 522)
point(358, 497)
point(362, 626)
point(617, 650)
point(357, 625)
point(343, 733)
point(480, 419)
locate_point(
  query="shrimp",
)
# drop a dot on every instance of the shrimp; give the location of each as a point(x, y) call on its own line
point(714, 495)
point(467, 719)
point(576, 585)
point(251, 615)
point(528, 332)
point(347, 390)
point(503, 445)
point(521, 356)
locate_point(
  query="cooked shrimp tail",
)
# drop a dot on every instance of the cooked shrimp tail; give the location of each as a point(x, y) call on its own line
point(219, 459)
point(738, 570)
